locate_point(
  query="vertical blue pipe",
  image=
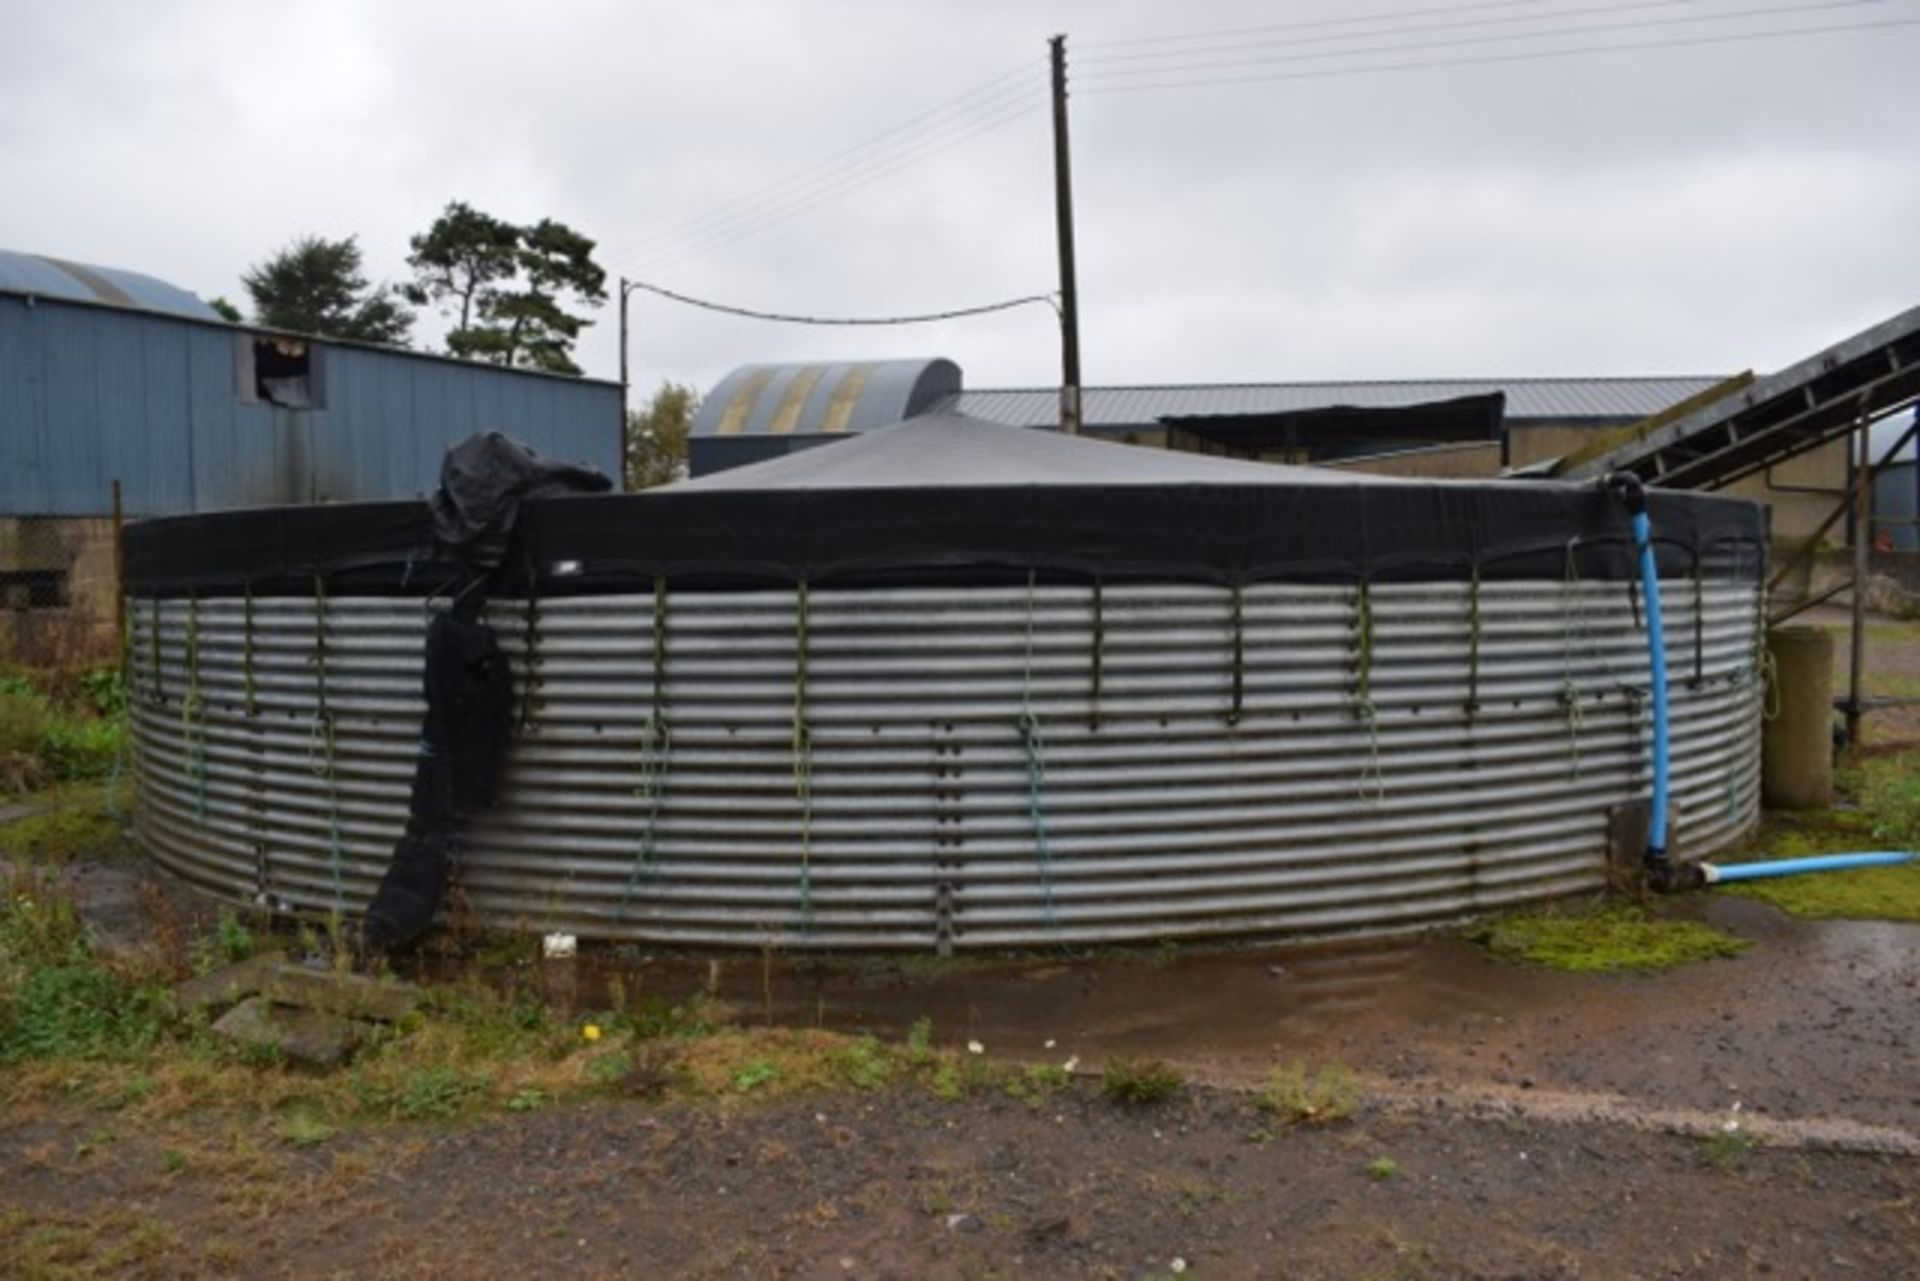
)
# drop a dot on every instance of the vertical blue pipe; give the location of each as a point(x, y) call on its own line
point(1657, 659)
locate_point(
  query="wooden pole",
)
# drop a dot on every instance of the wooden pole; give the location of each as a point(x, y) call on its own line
point(1063, 226)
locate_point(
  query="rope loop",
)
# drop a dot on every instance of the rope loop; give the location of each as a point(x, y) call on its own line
point(1364, 707)
point(1033, 747)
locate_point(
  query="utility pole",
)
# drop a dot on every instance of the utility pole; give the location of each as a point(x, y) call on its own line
point(626, 288)
point(1063, 218)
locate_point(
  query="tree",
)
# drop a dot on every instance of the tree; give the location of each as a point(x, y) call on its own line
point(657, 436)
point(227, 311)
point(503, 286)
point(316, 286)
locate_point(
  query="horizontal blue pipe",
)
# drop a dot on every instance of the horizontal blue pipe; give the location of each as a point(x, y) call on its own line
point(1716, 872)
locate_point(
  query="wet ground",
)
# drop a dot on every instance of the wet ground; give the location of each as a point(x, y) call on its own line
point(1821, 1019)
point(1518, 1123)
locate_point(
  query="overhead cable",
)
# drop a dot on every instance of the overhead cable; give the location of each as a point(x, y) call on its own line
point(1544, 33)
point(1340, 37)
point(1536, 55)
point(788, 318)
point(983, 99)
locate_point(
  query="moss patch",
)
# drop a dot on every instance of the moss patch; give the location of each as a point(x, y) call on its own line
point(1868, 894)
point(1603, 940)
point(78, 822)
point(1885, 790)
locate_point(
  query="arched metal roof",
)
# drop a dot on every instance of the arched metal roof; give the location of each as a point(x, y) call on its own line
point(824, 399)
point(45, 277)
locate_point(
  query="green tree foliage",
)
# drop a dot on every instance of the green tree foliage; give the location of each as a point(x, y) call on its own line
point(228, 312)
point(657, 436)
point(316, 286)
point(504, 286)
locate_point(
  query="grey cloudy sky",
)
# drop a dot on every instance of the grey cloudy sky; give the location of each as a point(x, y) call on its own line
point(1695, 207)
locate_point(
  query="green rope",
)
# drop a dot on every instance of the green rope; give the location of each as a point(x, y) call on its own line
point(1569, 691)
point(1764, 670)
point(323, 728)
point(192, 713)
point(1363, 690)
point(246, 653)
point(1699, 622)
point(656, 746)
point(1034, 748)
point(803, 753)
point(1473, 642)
point(1099, 647)
point(1239, 658)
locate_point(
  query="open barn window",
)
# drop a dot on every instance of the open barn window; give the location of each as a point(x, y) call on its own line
point(274, 370)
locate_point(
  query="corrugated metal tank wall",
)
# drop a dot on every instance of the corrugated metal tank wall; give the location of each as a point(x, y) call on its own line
point(963, 767)
point(93, 394)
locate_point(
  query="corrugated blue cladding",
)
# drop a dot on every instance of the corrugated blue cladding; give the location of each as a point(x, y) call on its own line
point(91, 394)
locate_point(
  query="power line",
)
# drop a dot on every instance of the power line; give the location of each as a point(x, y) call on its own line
point(1498, 38)
point(871, 172)
point(982, 100)
point(1296, 41)
point(1314, 24)
point(788, 318)
point(1537, 55)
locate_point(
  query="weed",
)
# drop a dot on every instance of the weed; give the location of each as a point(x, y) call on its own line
point(1300, 1098)
point(531, 1099)
point(1140, 1082)
point(303, 1130)
point(1724, 1149)
point(1383, 1169)
point(754, 1075)
point(421, 1093)
point(230, 942)
point(174, 1159)
point(57, 1000)
point(866, 1064)
point(1603, 939)
point(920, 1042)
point(1038, 1082)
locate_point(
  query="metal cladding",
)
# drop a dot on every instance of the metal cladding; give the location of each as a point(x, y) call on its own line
point(961, 767)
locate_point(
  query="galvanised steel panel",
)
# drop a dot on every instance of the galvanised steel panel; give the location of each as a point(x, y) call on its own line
point(91, 394)
point(1352, 791)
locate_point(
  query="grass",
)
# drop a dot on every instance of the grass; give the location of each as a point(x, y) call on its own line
point(75, 821)
point(77, 1026)
point(1383, 1169)
point(1141, 1082)
point(59, 727)
point(1885, 791)
point(1298, 1097)
point(1605, 939)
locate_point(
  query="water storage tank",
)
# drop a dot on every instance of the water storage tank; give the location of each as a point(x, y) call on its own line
point(956, 685)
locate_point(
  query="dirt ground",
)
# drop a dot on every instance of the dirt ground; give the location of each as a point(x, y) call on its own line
point(910, 1187)
point(1751, 1117)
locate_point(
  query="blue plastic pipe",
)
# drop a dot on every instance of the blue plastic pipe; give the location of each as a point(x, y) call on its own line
point(1716, 872)
point(1710, 873)
point(1657, 658)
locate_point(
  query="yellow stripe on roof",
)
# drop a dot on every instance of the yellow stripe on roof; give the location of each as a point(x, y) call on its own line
point(740, 408)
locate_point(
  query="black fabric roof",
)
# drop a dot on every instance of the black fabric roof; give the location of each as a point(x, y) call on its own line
point(954, 499)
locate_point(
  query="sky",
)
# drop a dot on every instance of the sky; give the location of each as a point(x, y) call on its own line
point(1264, 191)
